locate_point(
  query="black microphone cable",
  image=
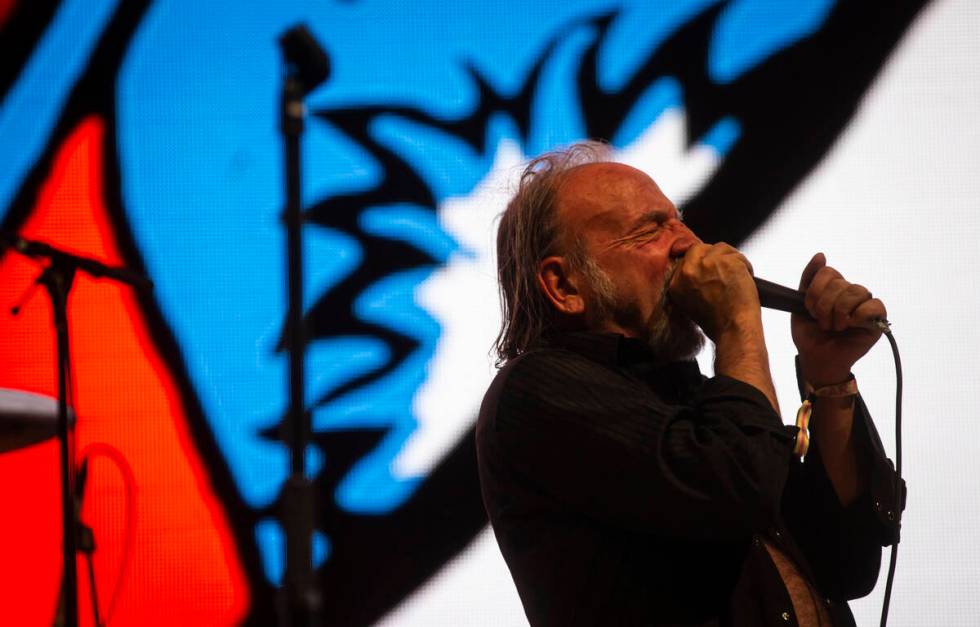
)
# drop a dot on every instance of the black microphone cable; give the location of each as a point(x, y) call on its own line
point(899, 491)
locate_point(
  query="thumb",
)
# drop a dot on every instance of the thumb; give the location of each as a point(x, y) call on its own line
point(818, 261)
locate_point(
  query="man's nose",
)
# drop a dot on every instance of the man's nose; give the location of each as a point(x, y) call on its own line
point(683, 241)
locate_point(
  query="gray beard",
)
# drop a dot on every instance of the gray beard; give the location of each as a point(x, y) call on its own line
point(670, 334)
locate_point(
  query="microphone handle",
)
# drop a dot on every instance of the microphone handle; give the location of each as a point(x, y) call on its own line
point(775, 296)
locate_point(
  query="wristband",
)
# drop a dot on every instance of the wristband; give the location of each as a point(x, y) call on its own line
point(838, 390)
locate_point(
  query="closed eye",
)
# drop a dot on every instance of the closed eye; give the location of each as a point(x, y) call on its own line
point(646, 228)
point(642, 236)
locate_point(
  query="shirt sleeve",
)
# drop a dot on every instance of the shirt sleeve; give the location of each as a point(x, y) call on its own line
point(596, 441)
point(843, 544)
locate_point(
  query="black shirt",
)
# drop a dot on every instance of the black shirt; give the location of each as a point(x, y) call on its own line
point(626, 493)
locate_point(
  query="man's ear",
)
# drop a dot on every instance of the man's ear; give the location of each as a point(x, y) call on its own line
point(560, 287)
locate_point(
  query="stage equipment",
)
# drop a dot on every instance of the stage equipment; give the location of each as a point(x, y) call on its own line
point(57, 278)
point(27, 418)
point(306, 66)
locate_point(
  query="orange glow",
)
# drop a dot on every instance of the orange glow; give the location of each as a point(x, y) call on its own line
point(184, 565)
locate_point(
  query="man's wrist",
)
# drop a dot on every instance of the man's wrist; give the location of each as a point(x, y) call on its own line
point(742, 343)
point(740, 353)
point(819, 377)
point(740, 331)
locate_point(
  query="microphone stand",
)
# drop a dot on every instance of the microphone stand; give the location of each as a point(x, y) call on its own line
point(299, 600)
point(57, 279)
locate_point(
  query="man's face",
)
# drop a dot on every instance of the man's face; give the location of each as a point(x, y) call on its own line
point(633, 239)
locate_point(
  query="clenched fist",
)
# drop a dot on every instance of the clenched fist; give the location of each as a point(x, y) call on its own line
point(841, 329)
point(713, 285)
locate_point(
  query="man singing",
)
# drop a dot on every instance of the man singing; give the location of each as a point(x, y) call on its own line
point(623, 486)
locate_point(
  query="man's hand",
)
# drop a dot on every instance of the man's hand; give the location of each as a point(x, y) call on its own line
point(713, 285)
point(840, 331)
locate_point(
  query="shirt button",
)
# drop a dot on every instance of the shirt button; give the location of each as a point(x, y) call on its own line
point(785, 616)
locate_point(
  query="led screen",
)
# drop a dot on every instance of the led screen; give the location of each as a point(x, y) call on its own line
point(145, 134)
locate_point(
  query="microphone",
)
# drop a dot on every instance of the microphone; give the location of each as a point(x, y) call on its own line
point(775, 296)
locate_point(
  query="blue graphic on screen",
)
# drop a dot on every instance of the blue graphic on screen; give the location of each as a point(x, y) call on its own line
point(202, 183)
point(30, 109)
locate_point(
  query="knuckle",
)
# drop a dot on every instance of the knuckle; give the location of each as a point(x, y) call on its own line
point(828, 273)
point(696, 251)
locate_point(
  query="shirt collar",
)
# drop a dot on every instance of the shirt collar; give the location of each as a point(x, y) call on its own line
point(673, 382)
point(617, 350)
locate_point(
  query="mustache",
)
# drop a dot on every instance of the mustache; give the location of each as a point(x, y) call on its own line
point(664, 291)
point(669, 273)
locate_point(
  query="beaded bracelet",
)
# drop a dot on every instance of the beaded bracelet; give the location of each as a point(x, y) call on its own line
point(837, 390)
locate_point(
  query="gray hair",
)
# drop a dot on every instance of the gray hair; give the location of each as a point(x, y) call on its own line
point(529, 231)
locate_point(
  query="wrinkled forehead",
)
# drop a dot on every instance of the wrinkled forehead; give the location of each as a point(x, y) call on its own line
point(602, 200)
